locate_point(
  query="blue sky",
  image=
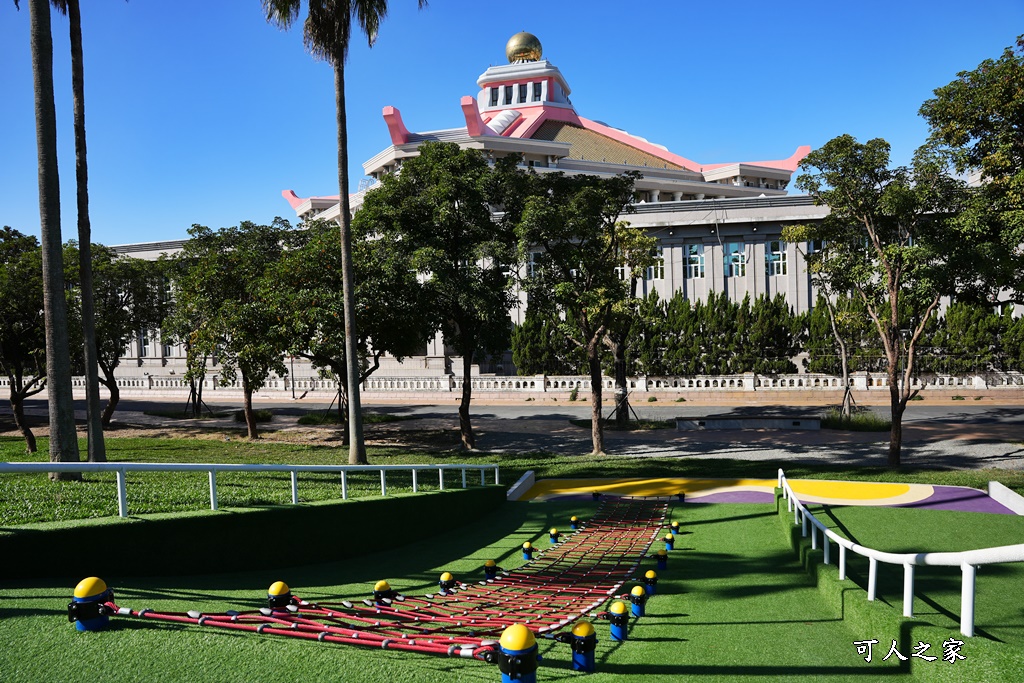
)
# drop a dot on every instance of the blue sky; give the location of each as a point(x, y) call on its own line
point(201, 112)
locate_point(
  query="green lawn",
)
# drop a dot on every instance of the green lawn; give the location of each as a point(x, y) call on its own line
point(32, 498)
point(734, 605)
point(1000, 588)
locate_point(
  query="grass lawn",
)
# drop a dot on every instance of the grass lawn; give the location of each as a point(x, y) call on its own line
point(734, 605)
point(1000, 588)
point(32, 498)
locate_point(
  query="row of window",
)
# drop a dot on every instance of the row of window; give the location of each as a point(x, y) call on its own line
point(509, 92)
point(776, 262)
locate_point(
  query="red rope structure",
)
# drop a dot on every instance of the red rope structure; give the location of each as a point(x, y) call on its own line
point(560, 585)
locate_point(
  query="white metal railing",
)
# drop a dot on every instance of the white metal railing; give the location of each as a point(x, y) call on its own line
point(121, 469)
point(968, 560)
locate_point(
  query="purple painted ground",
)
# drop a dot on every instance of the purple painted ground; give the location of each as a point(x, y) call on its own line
point(944, 498)
point(962, 499)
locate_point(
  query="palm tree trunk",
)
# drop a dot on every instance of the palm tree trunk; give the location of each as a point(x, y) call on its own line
point(63, 439)
point(97, 449)
point(356, 448)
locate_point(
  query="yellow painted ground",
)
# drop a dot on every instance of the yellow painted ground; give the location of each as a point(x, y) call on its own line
point(808, 490)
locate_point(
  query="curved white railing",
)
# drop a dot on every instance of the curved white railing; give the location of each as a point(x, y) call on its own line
point(968, 560)
point(122, 468)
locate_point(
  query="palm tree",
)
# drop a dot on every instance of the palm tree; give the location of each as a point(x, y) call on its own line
point(326, 33)
point(63, 439)
point(97, 448)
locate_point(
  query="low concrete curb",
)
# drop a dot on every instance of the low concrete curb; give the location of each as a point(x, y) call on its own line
point(1005, 496)
point(524, 484)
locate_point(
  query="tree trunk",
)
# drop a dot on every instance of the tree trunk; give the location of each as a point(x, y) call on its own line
point(250, 419)
point(110, 382)
point(18, 408)
point(465, 426)
point(96, 447)
point(596, 425)
point(896, 412)
point(621, 385)
point(357, 448)
point(63, 438)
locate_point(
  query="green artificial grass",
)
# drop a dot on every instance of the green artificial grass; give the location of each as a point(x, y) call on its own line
point(1000, 588)
point(735, 604)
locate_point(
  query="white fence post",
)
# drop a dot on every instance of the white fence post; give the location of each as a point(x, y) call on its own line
point(814, 537)
point(295, 487)
point(872, 577)
point(344, 485)
point(497, 480)
point(842, 562)
point(824, 540)
point(465, 485)
point(213, 489)
point(483, 477)
point(415, 482)
point(908, 590)
point(440, 479)
point(967, 585)
point(122, 494)
point(803, 517)
point(383, 484)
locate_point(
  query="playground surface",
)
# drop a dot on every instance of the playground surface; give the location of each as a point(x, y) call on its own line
point(926, 496)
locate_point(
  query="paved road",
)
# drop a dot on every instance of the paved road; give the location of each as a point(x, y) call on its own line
point(935, 435)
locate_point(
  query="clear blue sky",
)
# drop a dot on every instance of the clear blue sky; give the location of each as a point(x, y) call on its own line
point(200, 112)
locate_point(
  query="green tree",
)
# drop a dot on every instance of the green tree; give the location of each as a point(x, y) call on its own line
point(772, 338)
point(22, 329)
point(306, 293)
point(129, 296)
point(978, 119)
point(966, 339)
point(327, 32)
point(636, 251)
point(224, 272)
point(63, 437)
point(571, 225)
point(437, 212)
point(889, 237)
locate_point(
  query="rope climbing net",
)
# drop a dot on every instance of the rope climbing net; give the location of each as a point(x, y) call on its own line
point(568, 580)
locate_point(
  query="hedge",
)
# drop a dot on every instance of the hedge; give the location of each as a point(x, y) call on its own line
point(236, 539)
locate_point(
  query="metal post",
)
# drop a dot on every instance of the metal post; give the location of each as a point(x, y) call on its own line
point(967, 599)
point(383, 484)
point(842, 562)
point(796, 514)
point(824, 541)
point(872, 577)
point(122, 495)
point(483, 475)
point(908, 590)
point(814, 537)
point(295, 487)
point(344, 485)
point(415, 483)
point(440, 479)
point(213, 489)
point(464, 484)
point(803, 516)
point(496, 479)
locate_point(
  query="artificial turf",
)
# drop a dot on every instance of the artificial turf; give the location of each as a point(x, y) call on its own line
point(734, 604)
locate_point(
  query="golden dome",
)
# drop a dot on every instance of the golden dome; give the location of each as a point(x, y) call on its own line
point(523, 47)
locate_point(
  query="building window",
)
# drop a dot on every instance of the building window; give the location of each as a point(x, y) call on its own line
point(522, 92)
point(533, 267)
point(815, 246)
point(508, 94)
point(621, 271)
point(657, 270)
point(168, 350)
point(735, 259)
point(694, 260)
point(536, 92)
point(143, 343)
point(494, 97)
point(775, 258)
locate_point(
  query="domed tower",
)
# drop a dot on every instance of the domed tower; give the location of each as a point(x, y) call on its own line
point(509, 92)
